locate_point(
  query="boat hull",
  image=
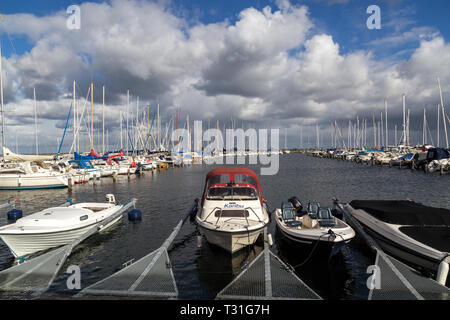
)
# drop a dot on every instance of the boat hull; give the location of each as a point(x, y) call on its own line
point(26, 244)
point(412, 257)
point(232, 241)
point(32, 182)
point(393, 241)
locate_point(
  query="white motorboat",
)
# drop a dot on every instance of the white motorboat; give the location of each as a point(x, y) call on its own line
point(56, 226)
point(232, 214)
point(408, 230)
point(25, 176)
point(315, 226)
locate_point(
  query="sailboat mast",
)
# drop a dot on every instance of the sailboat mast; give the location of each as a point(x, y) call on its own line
point(438, 120)
point(386, 126)
point(407, 126)
point(92, 115)
point(35, 120)
point(404, 120)
point(128, 112)
point(74, 118)
point(148, 126)
point(382, 130)
point(443, 111)
point(159, 130)
point(374, 131)
point(103, 121)
point(423, 127)
point(2, 110)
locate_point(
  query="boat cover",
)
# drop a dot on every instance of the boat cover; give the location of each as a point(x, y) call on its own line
point(404, 212)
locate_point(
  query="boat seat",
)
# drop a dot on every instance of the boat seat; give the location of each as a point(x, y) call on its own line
point(325, 218)
point(313, 210)
point(294, 223)
point(314, 216)
point(287, 213)
point(327, 223)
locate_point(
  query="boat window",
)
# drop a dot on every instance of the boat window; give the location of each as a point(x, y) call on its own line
point(245, 193)
point(231, 213)
point(244, 178)
point(221, 178)
point(218, 193)
point(232, 193)
point(83, 217)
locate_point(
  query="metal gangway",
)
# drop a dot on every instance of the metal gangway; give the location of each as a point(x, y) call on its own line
point(149, 277)
point(267, 278)
point(397, 281)
point(36, 275)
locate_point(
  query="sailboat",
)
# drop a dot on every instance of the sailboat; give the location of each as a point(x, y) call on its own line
point(23, 175)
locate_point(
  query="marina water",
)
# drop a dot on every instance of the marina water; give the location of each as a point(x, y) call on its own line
point(202, 271)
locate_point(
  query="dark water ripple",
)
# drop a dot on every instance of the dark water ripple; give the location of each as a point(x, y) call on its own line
point(165, 196)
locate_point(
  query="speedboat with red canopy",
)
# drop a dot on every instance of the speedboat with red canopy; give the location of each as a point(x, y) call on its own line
point(232, 213)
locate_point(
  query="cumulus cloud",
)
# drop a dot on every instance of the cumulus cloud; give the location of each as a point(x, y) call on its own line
point(267, 67)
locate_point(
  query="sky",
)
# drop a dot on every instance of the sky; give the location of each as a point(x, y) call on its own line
point(265, 64)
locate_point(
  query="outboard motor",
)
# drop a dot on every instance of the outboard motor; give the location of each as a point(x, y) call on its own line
point(297, 204)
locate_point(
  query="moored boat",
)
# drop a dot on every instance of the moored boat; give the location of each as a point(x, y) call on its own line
point(56, 226)
point(316, 226)
point(26, 176)
point(408, 230)
point(232, 213)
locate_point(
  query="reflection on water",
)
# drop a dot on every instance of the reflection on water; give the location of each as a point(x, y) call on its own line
point(165, 196)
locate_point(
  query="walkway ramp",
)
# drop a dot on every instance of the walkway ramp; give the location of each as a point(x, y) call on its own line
point(150, 277)
point(400, 282)
point(36, 275)
point(267, 278)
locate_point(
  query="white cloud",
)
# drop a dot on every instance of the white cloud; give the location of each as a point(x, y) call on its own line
point(246, 70)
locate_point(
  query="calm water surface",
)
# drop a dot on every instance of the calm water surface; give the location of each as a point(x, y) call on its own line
point(201, 272)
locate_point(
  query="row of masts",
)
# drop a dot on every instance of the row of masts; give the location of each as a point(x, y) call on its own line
point(356, 135)
point(357, 130)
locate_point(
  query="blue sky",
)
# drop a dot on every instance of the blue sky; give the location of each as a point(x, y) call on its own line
point(346, 22)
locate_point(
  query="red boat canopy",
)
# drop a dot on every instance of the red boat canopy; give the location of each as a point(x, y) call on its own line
point(233, 174)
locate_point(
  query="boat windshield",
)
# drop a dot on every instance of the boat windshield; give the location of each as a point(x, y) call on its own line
point(231, 193)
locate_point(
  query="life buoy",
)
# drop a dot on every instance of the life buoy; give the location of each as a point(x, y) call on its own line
point(133, 164)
